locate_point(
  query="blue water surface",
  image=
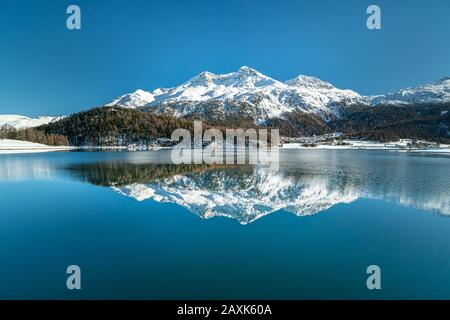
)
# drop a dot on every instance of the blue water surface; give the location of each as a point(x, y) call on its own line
point(344, 211)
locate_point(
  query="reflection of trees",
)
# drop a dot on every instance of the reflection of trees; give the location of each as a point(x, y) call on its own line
point(121, 174)
point(210, 177)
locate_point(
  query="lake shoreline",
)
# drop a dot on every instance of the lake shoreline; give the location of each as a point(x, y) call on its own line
point(8, 146)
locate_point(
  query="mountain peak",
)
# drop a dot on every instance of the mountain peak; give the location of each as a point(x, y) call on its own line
point(248, 71)
point(135, 99)
point(309, 82)
point(139, 93)
point(204, 78)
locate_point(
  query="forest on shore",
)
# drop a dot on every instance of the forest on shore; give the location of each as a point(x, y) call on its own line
point(116, 126)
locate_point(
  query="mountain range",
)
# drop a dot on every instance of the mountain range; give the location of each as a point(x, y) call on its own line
point(245, 91)
point(300, 106)
point(249, 93)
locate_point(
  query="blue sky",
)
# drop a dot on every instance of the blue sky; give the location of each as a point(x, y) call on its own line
point(45, 69)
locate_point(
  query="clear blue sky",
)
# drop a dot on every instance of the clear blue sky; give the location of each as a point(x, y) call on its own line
point(45, 69)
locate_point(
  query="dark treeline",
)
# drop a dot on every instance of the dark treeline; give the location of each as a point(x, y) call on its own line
point(33, 135)
point(120, 174)
point(299, 124)
point(381, 123)
point(115, 126)
point(112, 126)
point(390, 123)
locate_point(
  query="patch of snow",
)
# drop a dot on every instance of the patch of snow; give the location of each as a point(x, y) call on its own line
point(401, 145)
point(8, 146)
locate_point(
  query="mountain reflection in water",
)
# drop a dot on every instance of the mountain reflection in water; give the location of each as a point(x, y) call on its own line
point(305, 184)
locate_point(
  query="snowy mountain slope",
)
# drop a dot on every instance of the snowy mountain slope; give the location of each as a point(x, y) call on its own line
point(263, 96)
point(436, 92)
point(22, 122)
point(316, 92)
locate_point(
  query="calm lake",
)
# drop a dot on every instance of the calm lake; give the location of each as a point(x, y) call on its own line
point(140, 227)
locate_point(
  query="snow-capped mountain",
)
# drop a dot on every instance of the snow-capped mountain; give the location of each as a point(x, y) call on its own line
point(249, 93)
point(436, 92)
point(257, 95)
point(23, 122)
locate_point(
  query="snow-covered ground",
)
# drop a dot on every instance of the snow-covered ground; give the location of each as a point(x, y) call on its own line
point(18, 146)
point(401, 145)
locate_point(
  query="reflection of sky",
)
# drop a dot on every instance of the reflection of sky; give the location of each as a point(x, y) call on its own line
point(13, 170)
